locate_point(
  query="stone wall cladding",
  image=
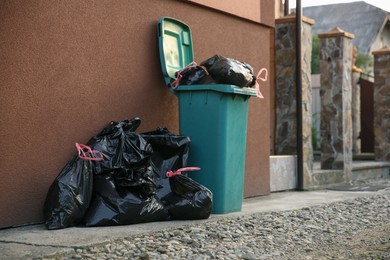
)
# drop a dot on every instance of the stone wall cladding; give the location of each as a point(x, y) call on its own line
point(382, 105)
point(356, 144)
point(286, 107)
point(306, 42)
point(347, 110)
point(336, 97)
point(286, 124)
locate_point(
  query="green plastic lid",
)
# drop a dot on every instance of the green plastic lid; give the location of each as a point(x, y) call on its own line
point(175, 44)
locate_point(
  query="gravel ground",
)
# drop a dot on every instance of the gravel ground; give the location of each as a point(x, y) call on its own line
point(353, 229)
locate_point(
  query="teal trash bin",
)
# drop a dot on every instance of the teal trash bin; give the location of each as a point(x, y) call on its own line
point(214, 116)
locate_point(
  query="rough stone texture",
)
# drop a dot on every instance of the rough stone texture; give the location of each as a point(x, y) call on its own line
point(362, 171)
point(379, 171)
point(356, 144)
point(336, 95)
point(325, 178)
point(382, 106)
point(306, 41)
point(286, 123)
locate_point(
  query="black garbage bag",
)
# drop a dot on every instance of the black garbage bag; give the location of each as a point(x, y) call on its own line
point(114, 203)
point(170, 152)
point(188, 199)
point(124, 184)
point(192, 74)
point(139, 178)
point(229, 71)
point(127, 153)
point(184, 198)
point(70, 194)
point(120, 145)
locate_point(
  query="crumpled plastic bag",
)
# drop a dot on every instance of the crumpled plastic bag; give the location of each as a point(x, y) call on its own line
point(170, 152)
point(188, 199)
point(124, 184)
point(229, 71)
point(120, 145)
point(184, 198)
point(70, 194)
point(125, 152)
point(115, 204)
point(192, 74)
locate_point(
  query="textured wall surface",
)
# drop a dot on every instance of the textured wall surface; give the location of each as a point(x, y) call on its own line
point(68, 68)
point(336, 95)
point(356, 143)
point(286, 123)
point(306, 43)
point(286, 107)
point(382, 104)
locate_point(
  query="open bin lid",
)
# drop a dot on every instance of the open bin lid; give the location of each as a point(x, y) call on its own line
point(175, 44)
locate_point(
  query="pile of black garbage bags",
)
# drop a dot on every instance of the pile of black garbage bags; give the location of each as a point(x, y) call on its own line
point(120, 177)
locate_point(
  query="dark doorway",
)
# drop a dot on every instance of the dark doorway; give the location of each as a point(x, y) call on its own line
point(367, 116)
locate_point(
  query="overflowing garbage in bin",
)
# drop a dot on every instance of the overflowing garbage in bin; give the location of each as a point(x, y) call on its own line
point(220, 70)
point(123, 177)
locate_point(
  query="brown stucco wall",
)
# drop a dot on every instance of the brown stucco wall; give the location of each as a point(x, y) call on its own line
point(67, 68)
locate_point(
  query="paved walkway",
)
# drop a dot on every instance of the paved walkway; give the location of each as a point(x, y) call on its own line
point(35, 240)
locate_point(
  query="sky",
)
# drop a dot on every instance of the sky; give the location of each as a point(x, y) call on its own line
point(383, 4)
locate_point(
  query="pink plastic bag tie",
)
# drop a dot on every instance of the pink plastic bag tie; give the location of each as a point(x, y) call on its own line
point(262, 78)
point(179, 171)
point(176, 82)
point(86, 153)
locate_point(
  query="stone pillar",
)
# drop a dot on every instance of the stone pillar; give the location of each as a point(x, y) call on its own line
point(356, 124)
point(382, 104)
point(286, 112)
point(336, 98)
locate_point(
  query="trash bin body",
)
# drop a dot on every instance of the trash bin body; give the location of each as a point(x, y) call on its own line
point(214, 116)
point(216, 121)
